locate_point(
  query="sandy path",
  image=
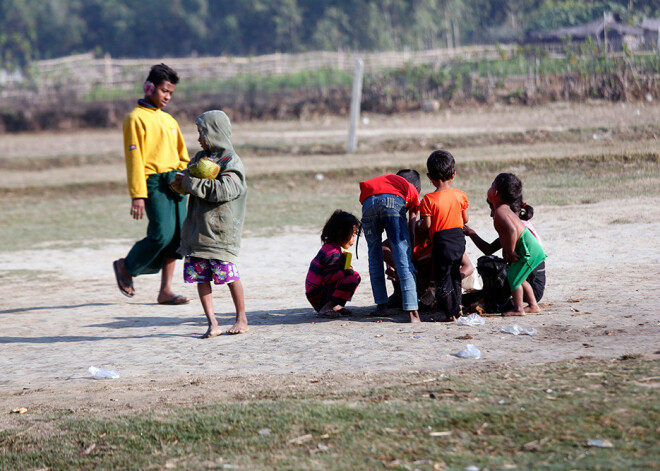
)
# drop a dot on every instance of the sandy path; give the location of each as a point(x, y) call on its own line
point(61, 313)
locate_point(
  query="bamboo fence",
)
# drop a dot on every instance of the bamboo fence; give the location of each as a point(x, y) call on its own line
point(80, 74)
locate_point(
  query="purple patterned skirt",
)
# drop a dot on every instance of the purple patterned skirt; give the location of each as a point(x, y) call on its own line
point(203, 270)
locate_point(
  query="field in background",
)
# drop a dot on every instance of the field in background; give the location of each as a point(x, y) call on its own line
point(71, 186)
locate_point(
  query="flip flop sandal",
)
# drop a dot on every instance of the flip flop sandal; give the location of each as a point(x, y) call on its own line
point(120, 279)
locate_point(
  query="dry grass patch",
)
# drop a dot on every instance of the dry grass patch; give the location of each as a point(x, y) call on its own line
point(574, 415)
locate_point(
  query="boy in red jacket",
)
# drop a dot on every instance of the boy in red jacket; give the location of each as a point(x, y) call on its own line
point(385, 201)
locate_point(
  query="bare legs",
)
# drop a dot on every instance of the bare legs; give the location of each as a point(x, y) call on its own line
point(206, 297)
point(165, 294)
point(523, 291)
point(166, 275)
point(241, 324)
point(528, 295)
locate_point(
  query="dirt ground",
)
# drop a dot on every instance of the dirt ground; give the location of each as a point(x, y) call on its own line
point(59, 318)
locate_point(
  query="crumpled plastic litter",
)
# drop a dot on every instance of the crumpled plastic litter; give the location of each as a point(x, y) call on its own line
point(469, 352)
point(600, 443)
point(101, 373)
point(472, 319)
point(515, 329)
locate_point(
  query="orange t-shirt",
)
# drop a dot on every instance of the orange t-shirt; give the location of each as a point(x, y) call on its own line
point(445, 208)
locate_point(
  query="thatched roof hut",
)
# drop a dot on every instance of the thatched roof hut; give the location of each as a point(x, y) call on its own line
point(651, 27)
point(604, 31)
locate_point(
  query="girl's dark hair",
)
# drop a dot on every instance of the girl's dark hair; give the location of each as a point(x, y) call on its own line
point(162, 73)
point(509, 188)
point(339, 227)
point(526, 212)
point(441, 165)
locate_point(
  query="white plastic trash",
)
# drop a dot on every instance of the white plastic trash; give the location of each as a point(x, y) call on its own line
point(469, 352)
point(515, 329)
point(101, 373)
point(472, 319)
point(472, 282)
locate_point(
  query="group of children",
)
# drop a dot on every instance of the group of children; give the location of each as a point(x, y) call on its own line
point(431, 247)
point(208, 232)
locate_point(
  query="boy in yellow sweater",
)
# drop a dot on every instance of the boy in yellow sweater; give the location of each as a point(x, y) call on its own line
point(154, 152)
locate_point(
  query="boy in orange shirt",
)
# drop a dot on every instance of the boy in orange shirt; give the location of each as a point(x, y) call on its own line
point(443, 213)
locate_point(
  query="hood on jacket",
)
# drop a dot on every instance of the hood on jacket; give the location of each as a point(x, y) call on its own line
point(216, 129)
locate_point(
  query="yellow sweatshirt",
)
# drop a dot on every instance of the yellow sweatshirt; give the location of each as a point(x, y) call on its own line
point(153, 143)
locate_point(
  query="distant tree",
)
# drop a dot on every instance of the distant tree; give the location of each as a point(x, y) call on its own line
point(32, 29)
point(556, 14)
point(61, 29)
point(333, 31)
point(287, 19)
point(377, 31)
point(18, 33)
point(110, 26)
point(426, 23)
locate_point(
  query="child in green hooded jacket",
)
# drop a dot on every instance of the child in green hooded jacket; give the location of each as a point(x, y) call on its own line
point(211, 232)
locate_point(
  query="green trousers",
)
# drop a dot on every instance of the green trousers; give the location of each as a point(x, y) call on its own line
point(166, 211)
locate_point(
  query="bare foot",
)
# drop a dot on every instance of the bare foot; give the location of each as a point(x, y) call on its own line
point(519, 312)
point(240, 327)
point(212, 332)
point(175, 300)
point(330, 313)
point(381, 310)
point(533, 309)
point(414, 316)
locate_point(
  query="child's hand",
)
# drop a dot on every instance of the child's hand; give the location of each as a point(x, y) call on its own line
point(511, 257)
point(176, 184)
point(468, 231)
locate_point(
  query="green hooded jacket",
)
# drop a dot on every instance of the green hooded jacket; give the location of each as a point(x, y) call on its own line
point(216, 208)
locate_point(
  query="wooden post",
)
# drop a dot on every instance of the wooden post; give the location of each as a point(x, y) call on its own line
point(107, 70)
point(354, 115)
point(605, 30)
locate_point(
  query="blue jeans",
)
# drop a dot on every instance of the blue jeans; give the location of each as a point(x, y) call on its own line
point(388, 212)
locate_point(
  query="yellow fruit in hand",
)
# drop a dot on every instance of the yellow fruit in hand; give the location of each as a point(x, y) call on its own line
point(205, 168)
point(176, 187)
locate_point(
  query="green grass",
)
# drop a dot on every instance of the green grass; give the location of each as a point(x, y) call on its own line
point(531, 418)
point(68, 220)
